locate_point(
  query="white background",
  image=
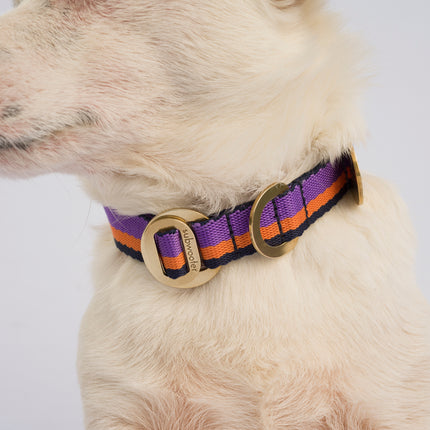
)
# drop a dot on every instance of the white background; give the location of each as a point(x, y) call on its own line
point(46, 223)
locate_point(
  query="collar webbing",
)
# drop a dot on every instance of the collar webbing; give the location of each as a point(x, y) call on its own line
point(225, 237)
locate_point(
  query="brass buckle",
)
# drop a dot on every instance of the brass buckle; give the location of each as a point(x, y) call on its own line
point(358, 180)
point(254, 223)
point(179, 219)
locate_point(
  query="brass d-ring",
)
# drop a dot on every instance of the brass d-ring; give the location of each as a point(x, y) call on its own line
point(254, 223)
point(358, 180)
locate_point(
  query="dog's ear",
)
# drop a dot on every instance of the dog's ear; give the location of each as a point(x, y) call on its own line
point(285, 4)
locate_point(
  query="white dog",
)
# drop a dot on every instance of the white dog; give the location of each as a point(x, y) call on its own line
point(160, 104)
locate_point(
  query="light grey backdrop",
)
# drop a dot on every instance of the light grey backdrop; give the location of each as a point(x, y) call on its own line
point(46, 223)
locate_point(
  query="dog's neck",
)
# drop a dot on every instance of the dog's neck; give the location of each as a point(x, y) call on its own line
point(176, 245)
point(134, 195)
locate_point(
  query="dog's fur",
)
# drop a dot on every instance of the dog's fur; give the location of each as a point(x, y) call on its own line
point(202, 104)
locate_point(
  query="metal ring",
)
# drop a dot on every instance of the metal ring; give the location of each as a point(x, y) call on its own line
point(254, 223)
point(179, 219)
point(358, 180)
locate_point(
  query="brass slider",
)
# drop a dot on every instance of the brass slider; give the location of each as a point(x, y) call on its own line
point(254, 223)
point(179, 219)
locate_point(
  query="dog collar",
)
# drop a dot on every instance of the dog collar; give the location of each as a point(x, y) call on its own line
point(185, 249)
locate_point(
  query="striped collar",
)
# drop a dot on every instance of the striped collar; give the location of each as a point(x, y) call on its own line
point(230, 235)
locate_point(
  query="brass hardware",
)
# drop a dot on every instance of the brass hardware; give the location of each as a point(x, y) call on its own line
point(179, 219)
point(254, 223)
point(358, 180)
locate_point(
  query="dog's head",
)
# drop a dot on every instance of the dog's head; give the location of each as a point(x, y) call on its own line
point(192, 94)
